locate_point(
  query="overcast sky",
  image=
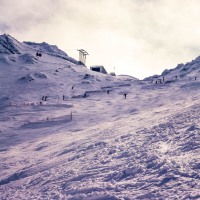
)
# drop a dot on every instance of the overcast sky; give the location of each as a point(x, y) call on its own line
point(135, 37)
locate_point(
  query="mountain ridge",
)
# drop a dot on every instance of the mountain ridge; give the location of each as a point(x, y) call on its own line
point(181, 70)
point(10, 47)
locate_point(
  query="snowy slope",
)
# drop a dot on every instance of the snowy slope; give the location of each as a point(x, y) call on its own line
point(188, 71)
point(146, 146)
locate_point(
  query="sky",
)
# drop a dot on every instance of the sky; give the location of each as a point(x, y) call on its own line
point(135, 37)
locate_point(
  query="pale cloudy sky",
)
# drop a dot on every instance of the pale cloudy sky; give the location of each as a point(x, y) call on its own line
point(135, 37)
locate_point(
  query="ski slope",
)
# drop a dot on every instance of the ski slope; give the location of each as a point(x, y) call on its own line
point(102, 147)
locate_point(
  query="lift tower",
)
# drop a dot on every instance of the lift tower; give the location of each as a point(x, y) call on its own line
point(82, 55)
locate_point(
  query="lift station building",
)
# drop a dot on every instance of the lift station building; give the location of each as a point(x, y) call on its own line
point(98, 68)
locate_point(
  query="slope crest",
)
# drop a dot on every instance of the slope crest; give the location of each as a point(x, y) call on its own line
point(9, 45)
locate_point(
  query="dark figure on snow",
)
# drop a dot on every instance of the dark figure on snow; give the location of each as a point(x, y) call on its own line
point(38, 54)
point(72, 87)
point(125, 95)
point(108, 91)
point(85, 95)
point(195, 78)
point(176, 77)
point(44, 98)
point(63, 97)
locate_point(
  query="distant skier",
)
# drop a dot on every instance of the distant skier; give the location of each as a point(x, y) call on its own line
point(108, 91)
point(72, 87)
point(125, 95)
point(38, 54)
point(63, 97)
point(85, 95)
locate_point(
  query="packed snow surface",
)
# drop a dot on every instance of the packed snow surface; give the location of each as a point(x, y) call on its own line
point(70, 133)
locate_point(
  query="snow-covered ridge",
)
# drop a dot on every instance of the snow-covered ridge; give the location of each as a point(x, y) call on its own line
point(127, 77)
point(50, 50)
point(46, 48)
point(9, 45)
point(187, 70)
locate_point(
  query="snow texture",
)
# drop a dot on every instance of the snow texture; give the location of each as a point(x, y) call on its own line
point(69, 133)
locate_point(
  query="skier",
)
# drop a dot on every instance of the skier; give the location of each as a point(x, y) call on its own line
point(125, 95)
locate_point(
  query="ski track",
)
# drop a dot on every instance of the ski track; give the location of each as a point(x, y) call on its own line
point(118, 167)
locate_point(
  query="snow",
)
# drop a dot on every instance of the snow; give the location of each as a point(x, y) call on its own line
point(9, 45)
point(102, 147)
point(182, 71)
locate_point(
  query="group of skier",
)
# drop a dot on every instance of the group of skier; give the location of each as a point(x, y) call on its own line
point(162, 80)
point(44, 98)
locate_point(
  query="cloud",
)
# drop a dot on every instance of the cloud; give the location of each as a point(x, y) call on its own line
point(4, 27)
point(20, 15)
point(139, 37)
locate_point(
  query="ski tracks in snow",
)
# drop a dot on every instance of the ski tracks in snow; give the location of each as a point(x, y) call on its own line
point(159, 162)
